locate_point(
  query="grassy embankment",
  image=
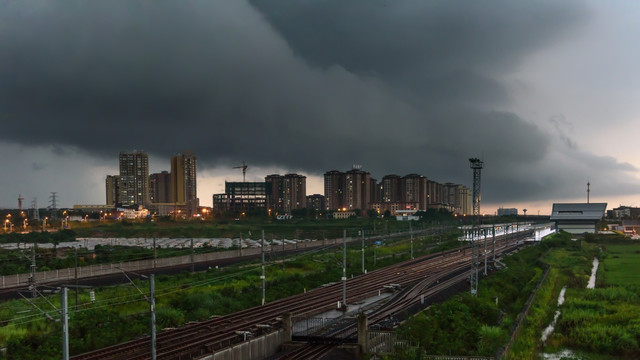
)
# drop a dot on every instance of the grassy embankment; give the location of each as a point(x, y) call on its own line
point(601, 323)
point(467, 325)
point(120, 314)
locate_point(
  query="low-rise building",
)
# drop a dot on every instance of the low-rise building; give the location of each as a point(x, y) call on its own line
point(578, 218)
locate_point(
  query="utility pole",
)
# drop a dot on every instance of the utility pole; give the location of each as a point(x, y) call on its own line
point(75, 251)
point(363, 270)
point(152, 308)
point(494, 243)
point(65, 324)
point(155, 254)
point(32, 277)
point(191, 258)
point(344, 269)
point(485, 251)
point(262, 276)
point(411, 231)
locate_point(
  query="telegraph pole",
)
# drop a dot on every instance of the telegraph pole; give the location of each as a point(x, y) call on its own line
point(152, 308)
point(363, 270)
point(494, 243)
point(344, 269)
point(65, 324)
point(191, 257)
point(155, 253)
point(411, 231)
point(75, 252)
point(485, 251)
point(262, 276)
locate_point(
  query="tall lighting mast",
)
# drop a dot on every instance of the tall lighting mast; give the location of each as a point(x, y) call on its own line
point(476, 166)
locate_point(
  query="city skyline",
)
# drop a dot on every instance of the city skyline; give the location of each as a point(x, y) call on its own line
point(544, 92)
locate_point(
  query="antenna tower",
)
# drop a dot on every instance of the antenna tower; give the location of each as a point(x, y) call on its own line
point(53, 205)
point(588, 190)
point(34, 208)
point(476, 165)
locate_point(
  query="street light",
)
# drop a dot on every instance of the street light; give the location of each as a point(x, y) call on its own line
point(44, 223)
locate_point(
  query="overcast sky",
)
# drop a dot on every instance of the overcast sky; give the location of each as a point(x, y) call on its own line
point(546, 92)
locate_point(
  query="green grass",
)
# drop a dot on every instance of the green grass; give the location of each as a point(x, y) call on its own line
point(120, 313)
point(622, 264)
point(602, 322)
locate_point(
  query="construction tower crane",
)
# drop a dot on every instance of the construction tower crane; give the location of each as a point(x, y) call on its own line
point(244, 171)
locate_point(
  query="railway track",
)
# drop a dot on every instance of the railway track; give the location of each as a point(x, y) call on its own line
point(205, 337)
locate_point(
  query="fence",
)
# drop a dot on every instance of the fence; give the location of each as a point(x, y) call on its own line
point(337, 330)
point(255, 349)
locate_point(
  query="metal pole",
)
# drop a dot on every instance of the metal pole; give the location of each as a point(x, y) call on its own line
point(494, 244)
point(363, 251)
point(411, 231)
point(191, 257)
point(76, 275)
point(262, 276)
point(65, 324)
point(240, 244)
point(155, 253)
point(344, 269)
point(32, 279)
point(152, 307)
point(485, 251)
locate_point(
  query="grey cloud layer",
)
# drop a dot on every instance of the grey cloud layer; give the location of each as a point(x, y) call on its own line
point(398, 86)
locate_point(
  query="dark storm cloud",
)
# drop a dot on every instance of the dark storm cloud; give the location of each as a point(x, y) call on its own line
point(398, 86)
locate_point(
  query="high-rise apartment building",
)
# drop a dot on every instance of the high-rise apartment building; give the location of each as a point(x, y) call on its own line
point(160, 187)
point(357, 190)
point(294, 189)
point(390, 188)
point(333, 189)
point(111, 183)
point(133, 187)
point(434, 194)
point(413, 189)
point(458, 198)
point(348, 191)
point(183, 180)
point(275, 201)
point(287, 192)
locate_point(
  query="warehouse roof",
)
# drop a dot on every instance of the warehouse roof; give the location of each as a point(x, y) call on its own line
point(578, 211)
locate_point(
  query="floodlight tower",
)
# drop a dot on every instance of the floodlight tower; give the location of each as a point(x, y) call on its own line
point(476, 165)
